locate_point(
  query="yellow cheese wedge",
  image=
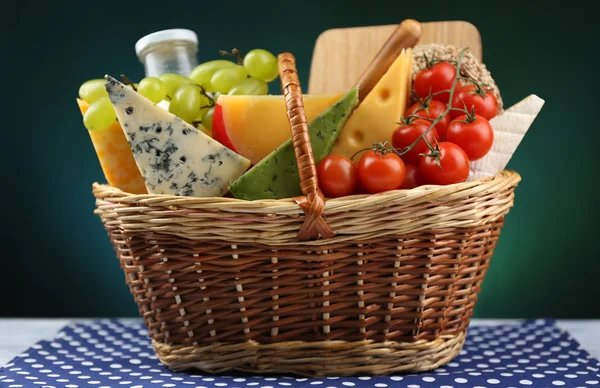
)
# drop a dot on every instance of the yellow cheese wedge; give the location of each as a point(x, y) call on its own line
point(256, 125)
point(378, 115)
point(116, 159)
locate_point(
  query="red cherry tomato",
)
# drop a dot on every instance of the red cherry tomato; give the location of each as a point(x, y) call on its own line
point(475, 137)
point(437, 78)
point(485, 103)
point(379, 173)
point(338, 176)
point(412, 178)
point(432, 109)
point(455, 166)
point(407, 134)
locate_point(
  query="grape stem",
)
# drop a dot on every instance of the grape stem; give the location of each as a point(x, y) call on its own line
point(127, 81)
point(235, 53)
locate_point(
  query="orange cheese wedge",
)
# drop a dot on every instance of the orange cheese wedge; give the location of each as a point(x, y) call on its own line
point(254, 126)
point(116, 158)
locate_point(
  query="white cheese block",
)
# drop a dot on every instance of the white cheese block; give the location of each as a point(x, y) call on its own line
point(509, 129)
point(173, 156)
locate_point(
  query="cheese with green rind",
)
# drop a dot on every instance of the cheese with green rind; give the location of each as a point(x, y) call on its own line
point(276, 176)
point(174, 157)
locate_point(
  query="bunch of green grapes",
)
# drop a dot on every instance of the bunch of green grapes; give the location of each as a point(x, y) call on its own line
point(190, 98)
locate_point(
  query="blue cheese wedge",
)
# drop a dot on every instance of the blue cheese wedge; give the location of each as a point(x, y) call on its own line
point(173, 156)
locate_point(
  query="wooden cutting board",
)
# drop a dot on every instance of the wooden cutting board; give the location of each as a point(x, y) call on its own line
point(342, 54)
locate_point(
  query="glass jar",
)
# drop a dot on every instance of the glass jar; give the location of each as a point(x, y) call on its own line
point(168, 51)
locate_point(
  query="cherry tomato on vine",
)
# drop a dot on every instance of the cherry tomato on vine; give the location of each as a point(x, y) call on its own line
point(474, 137)
point(432, 109)
point(412, 178)
point(454, 162)
point(485, 103)
point(437, 78)
point(378, 173)
point(407, 134)
point(338, 176)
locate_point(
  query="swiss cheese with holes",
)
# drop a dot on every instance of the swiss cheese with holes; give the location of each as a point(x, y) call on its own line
point(378, 115)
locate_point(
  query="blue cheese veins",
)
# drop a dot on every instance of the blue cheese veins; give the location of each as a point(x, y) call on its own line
point(173, 156)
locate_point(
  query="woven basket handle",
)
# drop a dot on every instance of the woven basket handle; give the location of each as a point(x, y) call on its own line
point(312, 202)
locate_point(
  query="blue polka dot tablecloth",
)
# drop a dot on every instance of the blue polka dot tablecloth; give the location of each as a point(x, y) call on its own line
point(109, 353)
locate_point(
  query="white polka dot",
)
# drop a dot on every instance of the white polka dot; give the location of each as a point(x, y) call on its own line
point(446, 386)
point(572, 364)
point(396, 378)
point(493, 381)
point(348, 384)
point(225, 384)
point(427, 379)
point(74, 372)
point(526, 382)
point(460, 380)
point(171, 385)
point(240, 380)
point(474, 373)
point(592, 382)
point(316, 382)
point(506, 374)
point(570, 376)
point(66, 367)
point(414, 386)
point(562, 369)
point(558, 382)
point(94, 382)
point(381, 385)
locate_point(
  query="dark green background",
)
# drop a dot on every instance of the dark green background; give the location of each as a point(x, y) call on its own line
point(56, 257)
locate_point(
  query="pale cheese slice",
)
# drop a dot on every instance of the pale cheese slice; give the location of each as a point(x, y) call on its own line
point(173, 156)
point(378, 115)
point(509, 129)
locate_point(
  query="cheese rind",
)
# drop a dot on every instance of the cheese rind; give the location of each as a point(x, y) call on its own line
point(276, 176)
point(378, 115)
point(173, 156)
point(509, 129)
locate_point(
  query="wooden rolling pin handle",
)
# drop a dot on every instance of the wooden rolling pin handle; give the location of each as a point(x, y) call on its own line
point(406, 35)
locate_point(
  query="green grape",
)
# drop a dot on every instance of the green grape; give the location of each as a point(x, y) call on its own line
point(207, 119)
point(225, 78)
point(187, 101)
point(99, 115)
point(251, 87)
point(92, 90)
point(153, 89)
point(261, 64)
point(173, 82)
point(202, 74)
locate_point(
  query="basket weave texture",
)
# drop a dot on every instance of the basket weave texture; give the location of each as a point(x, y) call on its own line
point(404, 266)
point(226, 284)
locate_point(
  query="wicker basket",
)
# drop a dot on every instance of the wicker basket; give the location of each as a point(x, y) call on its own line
point(226, 284)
